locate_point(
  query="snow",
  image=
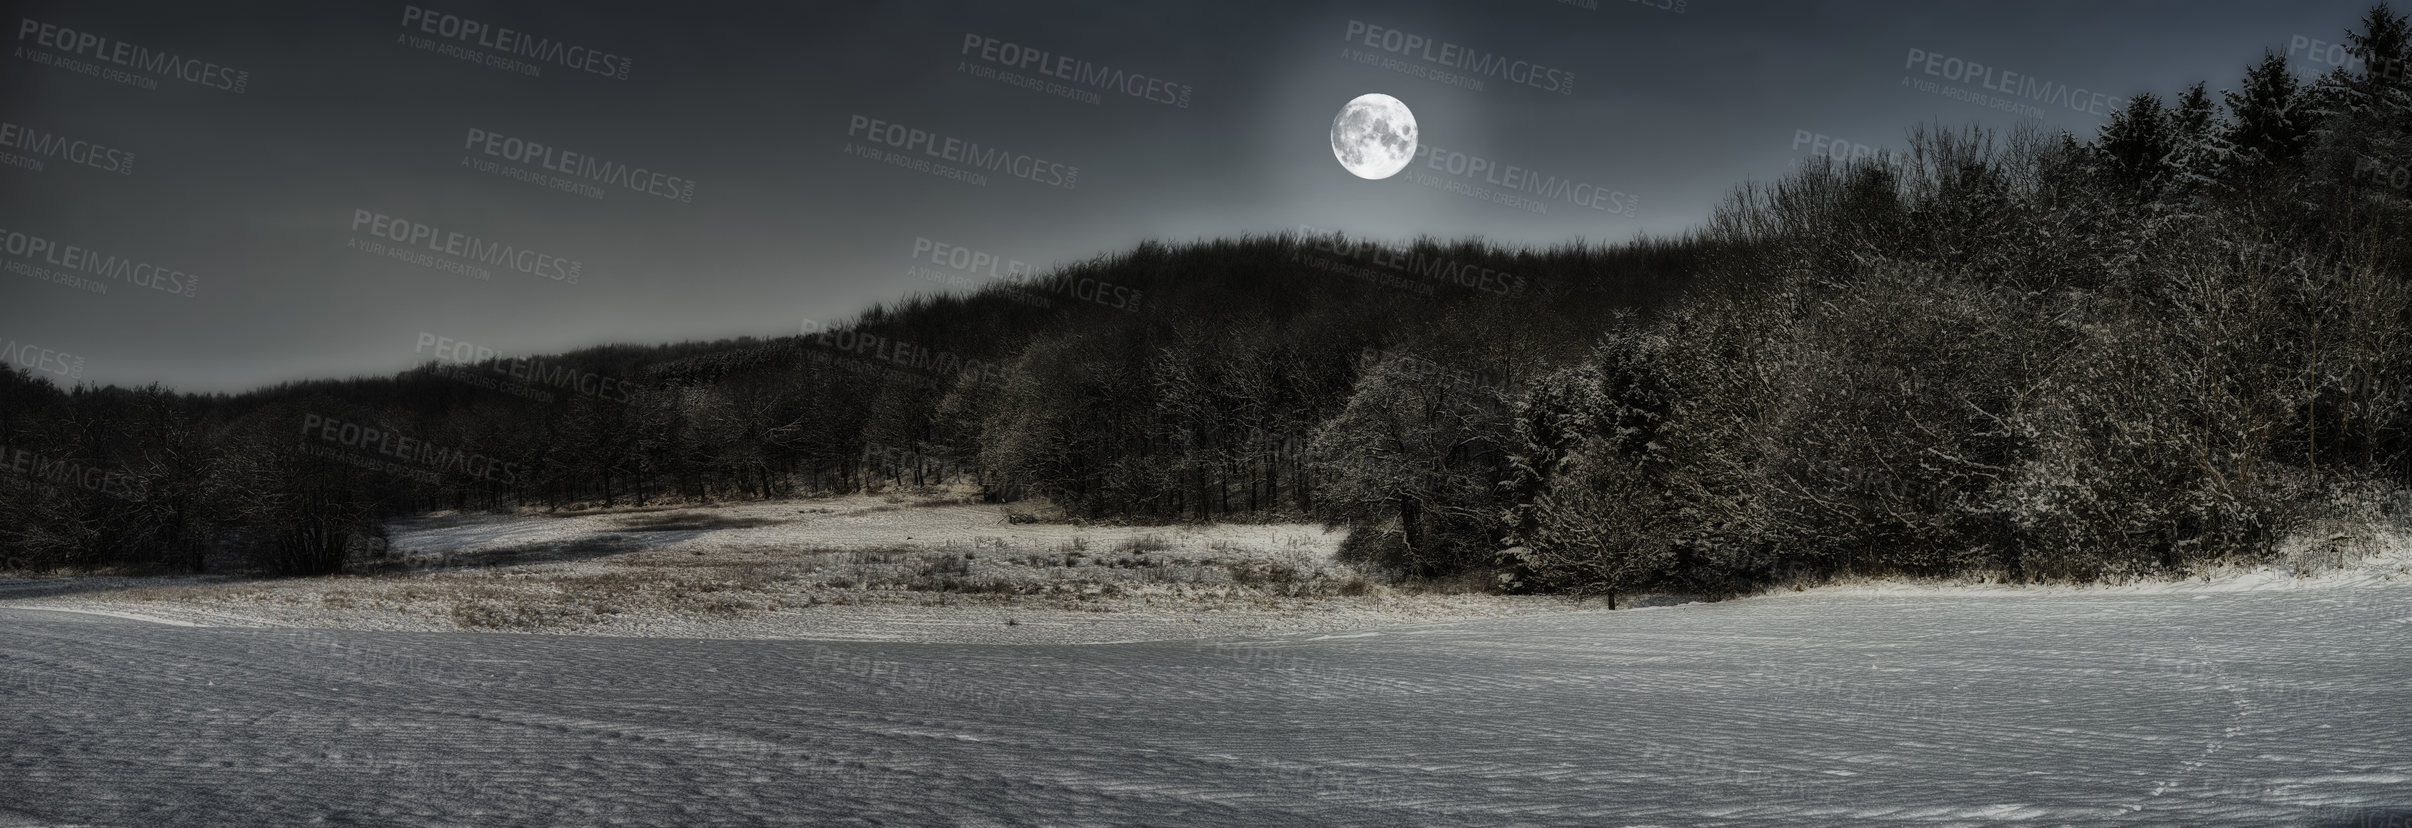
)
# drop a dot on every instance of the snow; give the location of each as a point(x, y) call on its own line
point(1846, 706)
point(2251, 696)
point(131, 616)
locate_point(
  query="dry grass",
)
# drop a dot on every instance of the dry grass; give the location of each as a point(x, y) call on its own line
point(629, 566)
point(741, 583)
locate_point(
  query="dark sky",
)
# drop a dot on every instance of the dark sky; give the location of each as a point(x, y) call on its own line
point(755, 105)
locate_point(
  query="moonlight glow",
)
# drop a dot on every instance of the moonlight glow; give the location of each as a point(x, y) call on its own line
point(1374, 136)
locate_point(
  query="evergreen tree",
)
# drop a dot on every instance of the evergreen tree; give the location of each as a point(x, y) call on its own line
point(2269, 124)
point(2134, 148)
point(2194, 158)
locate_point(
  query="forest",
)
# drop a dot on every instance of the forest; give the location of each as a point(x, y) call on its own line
point(2040, 356)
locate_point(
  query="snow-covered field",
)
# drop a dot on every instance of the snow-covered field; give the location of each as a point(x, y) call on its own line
point(2249, 698)
point(1827, 707)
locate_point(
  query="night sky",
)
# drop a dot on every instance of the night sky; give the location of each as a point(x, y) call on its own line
point(269, 150)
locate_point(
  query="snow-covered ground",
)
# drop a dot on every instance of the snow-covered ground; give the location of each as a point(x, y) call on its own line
point(2249, 697)
point(1827, 707)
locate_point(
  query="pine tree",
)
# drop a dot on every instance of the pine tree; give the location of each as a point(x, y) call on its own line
point(2269, 124)
point(2194, 158)
point(2135, 146)
point(2384, 48)
point(2365, 118)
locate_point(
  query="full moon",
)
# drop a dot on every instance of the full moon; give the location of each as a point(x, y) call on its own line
point(1374, 136)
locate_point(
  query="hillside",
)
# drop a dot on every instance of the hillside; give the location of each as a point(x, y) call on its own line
point(2034, 357)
